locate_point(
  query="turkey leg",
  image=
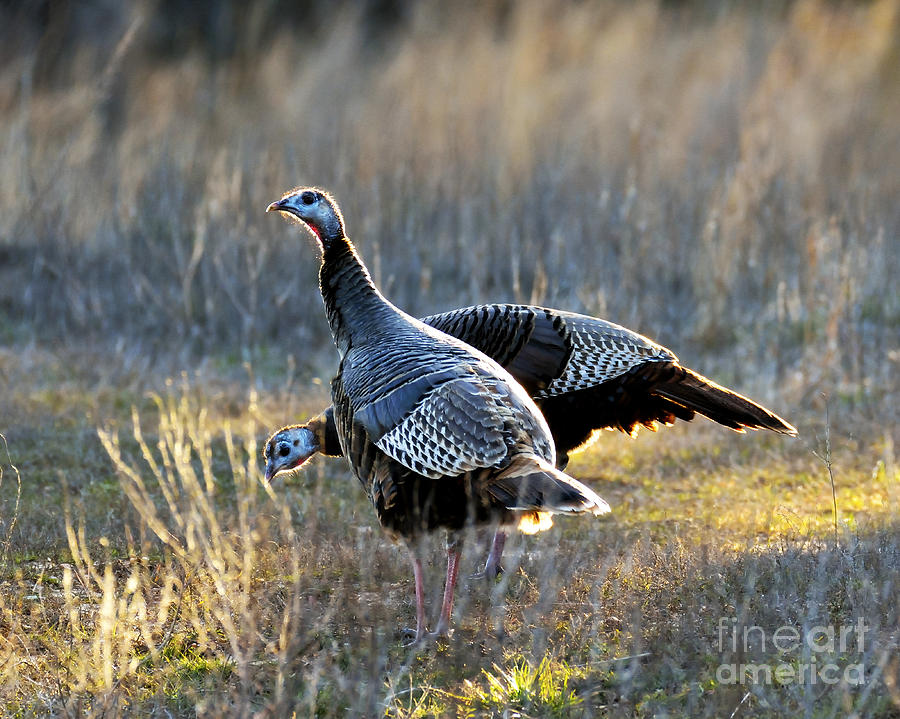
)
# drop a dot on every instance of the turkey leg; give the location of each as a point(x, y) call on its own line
point(454, 551)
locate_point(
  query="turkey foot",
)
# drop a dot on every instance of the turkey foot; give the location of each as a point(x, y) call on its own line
point(492, 568)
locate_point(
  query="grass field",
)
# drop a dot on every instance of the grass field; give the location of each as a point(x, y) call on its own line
point(149, 572)
point(721, 179)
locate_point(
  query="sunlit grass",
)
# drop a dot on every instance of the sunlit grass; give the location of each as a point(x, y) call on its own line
point(541, 690)
point(216, 593)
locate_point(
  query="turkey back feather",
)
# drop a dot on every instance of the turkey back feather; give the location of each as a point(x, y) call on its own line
point(532, 343)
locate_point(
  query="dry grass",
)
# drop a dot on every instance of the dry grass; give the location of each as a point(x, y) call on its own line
point(217, 597)
point(721, 179)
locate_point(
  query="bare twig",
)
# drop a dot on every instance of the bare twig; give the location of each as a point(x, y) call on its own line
point(740, 703)
point(15, 515)
point(826, 459)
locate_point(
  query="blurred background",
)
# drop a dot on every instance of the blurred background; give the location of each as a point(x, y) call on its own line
point(722, 178)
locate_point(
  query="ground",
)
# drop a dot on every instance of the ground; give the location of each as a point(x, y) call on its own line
point(149, 571)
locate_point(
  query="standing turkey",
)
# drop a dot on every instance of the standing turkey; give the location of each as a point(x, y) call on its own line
point(439, 434)
point(585, 374)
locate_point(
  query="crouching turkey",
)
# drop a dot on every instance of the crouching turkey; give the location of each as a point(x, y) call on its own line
point(439, 434)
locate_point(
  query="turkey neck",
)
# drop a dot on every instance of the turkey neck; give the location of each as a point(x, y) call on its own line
point(354, 306)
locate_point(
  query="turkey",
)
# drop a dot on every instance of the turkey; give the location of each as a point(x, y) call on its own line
point(439, 434)
point(584, 373)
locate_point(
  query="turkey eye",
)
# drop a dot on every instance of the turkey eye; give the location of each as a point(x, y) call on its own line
point(307, 198)
point(284, 451)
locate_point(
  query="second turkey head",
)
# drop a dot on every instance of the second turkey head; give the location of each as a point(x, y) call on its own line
point(288, 449)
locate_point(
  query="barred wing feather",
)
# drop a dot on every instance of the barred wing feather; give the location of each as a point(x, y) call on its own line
point(444, 419)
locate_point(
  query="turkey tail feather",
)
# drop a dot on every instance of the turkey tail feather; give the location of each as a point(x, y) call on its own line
point(720, 404)
point(531, 483)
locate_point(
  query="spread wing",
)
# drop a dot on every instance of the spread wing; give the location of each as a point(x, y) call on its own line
point(601, 351)
point(588, 374)
point(618, 379)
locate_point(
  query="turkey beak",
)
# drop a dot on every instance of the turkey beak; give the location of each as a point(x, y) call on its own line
point(277, 205)
point(270, 472)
